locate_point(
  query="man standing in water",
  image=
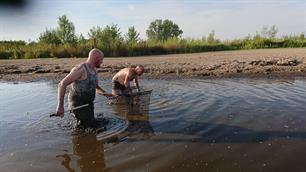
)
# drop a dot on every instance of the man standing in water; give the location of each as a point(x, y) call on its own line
point(121, 81)
point(84, 85)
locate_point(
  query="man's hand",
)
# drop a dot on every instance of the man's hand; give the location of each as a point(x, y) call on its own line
point(60, 111)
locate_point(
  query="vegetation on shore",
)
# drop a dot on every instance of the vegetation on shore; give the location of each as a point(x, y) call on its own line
point(164, 37)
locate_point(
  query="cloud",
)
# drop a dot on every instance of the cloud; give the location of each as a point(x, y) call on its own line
point(131, 7)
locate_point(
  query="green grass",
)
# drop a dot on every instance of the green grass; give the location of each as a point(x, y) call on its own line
point(22, 50)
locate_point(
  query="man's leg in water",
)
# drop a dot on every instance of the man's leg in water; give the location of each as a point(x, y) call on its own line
point(85, 117)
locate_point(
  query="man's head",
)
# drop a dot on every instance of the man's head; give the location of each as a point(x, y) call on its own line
point(95, 57)
point(139, 70)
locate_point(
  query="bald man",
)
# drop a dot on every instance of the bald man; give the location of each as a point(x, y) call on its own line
point(84, 85)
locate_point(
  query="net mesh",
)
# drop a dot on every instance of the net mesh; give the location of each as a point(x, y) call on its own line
point(136, 102)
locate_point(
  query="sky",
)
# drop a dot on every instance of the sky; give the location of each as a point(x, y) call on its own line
point(230, 19)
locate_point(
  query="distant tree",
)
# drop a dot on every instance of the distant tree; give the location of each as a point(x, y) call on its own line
point(204, 39)
point(257, 36)
point(94, 32)
point(302, 36)
point(81, 39)
point(132, 36)
point(160, 30)
point(108, 38)
point(248, 37)
point(107, 35)
point(269, 32)
point(49, 37)
point(66, 31)
point(13, 43)
point(111, 38)
point(94, 36)
point(211, 37)
point(113, 32)
point(273, 31)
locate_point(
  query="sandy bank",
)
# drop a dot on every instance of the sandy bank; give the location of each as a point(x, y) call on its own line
point(244, 63)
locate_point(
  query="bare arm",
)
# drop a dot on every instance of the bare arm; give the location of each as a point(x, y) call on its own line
point(102, 92)
point(75, 74)
point(137, 83)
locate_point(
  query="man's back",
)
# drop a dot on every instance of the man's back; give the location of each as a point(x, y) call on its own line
point(121, 75)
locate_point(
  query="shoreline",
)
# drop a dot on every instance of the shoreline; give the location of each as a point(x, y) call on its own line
point(266, 63)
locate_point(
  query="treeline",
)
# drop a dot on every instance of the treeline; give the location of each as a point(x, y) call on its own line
point(164, 37)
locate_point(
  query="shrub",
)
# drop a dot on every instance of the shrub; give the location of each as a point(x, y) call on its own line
point(6, 54)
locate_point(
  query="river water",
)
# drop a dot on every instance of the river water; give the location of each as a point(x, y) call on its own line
point(188, 125)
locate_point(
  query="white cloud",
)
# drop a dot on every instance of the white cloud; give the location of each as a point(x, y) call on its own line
point(131, 7)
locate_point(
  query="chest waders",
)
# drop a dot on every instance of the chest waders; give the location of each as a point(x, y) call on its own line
point(84, 92)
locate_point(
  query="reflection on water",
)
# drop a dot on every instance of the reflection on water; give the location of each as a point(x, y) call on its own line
point(89, 152)
point(66, 162)
point(188, 125)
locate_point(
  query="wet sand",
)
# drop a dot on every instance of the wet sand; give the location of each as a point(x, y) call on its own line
point(287, 62)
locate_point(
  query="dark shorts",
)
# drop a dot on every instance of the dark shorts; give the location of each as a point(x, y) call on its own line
point(117, 86)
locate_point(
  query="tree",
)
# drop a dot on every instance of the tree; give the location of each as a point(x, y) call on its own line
point(113, 32)
point(302, 36)
point(49, 37)
point(81, 39)
point(108, 38)
point(66, 31)
point(211, 37)
point(160, 30)
point(269, 32)
point(257, 36)
point(94, 32)
point(94, 35)
point(111, 38)
point(132, 36)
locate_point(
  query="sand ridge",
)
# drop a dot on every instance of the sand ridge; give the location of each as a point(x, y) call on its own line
point(284, 62)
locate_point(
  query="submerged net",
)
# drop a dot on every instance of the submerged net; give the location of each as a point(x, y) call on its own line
point(137, 103)
point(143, 96)
point(134, 108)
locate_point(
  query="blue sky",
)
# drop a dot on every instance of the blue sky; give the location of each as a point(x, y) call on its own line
point(229, 19)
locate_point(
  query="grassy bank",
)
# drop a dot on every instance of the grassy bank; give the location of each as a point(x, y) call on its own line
point(23, 50)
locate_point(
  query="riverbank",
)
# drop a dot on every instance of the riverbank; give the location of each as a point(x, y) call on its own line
point(287, 62)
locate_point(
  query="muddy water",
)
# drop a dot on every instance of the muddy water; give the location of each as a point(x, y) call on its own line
point(189, 125)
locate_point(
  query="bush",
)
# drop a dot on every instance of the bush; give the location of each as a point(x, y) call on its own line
point(17, 54)
point(6, 54)
point(60, 52)
point(19, 49)
point(42, 54)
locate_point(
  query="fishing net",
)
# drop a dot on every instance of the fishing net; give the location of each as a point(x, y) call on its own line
point(136, 102)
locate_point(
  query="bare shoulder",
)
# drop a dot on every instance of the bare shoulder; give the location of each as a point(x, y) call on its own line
point(75, 74)
point(129, 70)
point(78, 72)
point(124, 70)
point(78, 68)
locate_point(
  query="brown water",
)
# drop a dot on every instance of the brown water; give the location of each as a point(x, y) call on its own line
point(190, 125)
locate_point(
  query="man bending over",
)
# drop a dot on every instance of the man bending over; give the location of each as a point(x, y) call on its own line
point(121, 81)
